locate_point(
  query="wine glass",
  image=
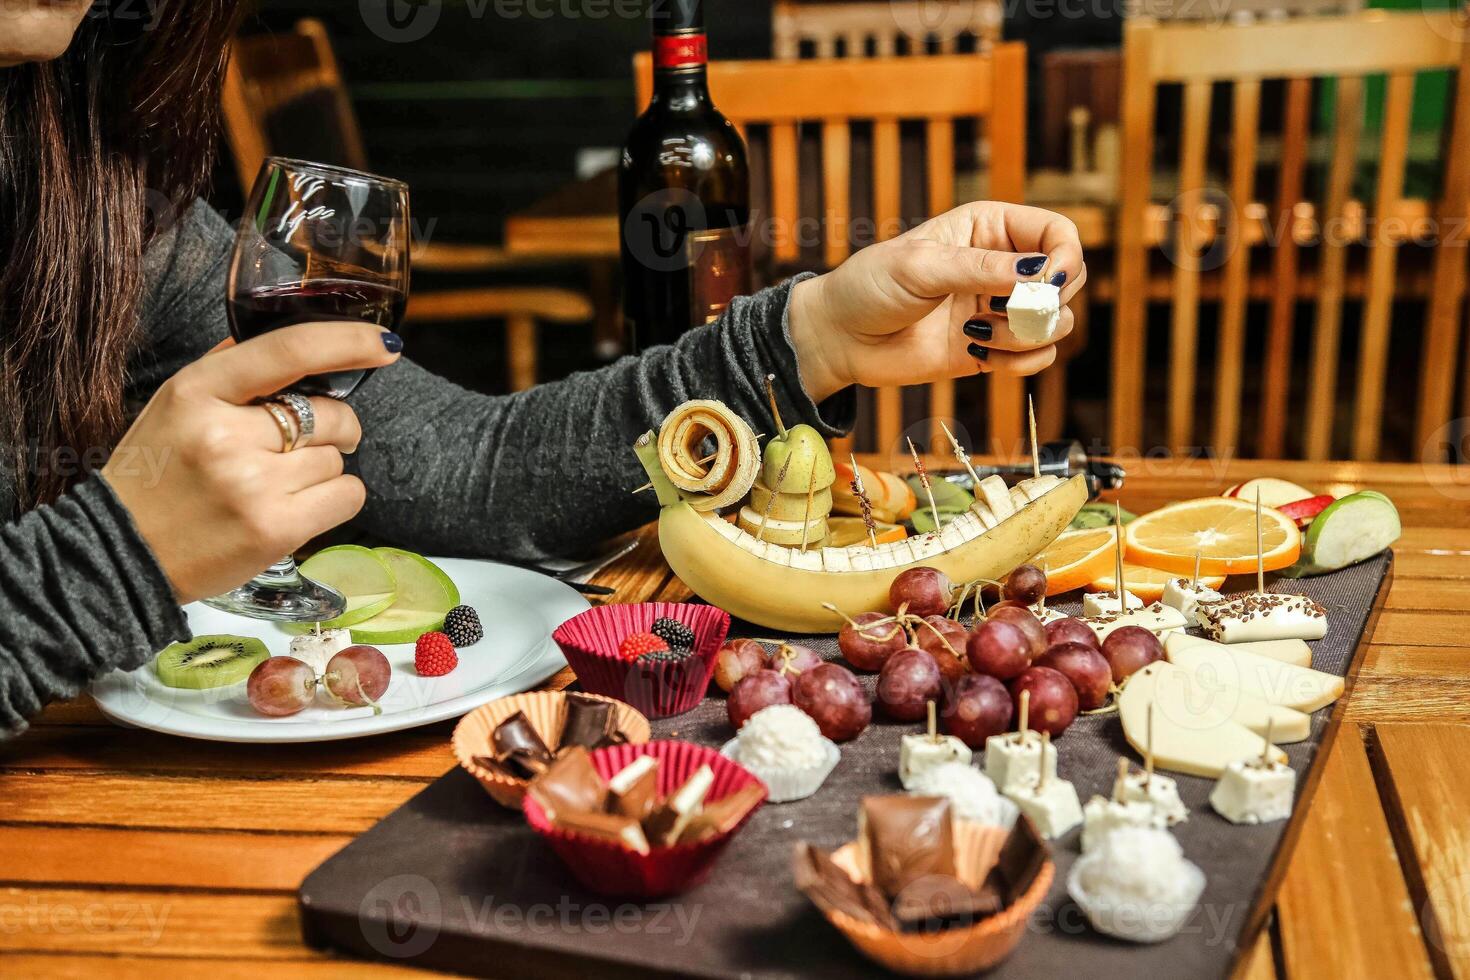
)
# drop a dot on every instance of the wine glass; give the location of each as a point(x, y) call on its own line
point(316, 243)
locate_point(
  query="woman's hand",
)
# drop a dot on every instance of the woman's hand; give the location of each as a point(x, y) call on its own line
point(923, 306)
point(218, 501)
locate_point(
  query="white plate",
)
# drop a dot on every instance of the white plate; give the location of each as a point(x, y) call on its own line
point(518, 608)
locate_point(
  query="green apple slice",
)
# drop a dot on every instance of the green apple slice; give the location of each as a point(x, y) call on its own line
point(360, 574)
point(425, 594)
point(1349, 530)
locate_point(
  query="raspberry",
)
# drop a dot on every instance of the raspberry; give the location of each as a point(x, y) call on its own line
point(673, 632)
point(637, 644)
point(462, 626)
point(433, 655)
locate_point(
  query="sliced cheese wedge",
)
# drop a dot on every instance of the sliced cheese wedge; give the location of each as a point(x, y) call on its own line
point(1195, 731)
point(1280, 683)
point(1201, 698)
point(1287, 651)
point(1156, 617)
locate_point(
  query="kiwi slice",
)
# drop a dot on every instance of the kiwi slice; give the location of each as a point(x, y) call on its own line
point(209, 661)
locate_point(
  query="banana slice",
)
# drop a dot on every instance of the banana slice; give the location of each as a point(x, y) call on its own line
point(997, 497)
point(983, 515)
point(1033, 487)
point(722, 480)
point(1019, 498)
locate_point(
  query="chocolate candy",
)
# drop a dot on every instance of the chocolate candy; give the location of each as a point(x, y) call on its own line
point(830, 889)
point(668, 821)
point(607, 826)
point(942, 902)
point(633, 792)
point(519, 748)
point(906, 838)
point(589, 723)
point(722, 815)
point(1021, 859)
point(570, 785)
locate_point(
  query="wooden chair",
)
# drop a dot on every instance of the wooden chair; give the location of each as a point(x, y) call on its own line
point(1346, 49)
point(833, 94)
point(284, 93)
point(828, 26)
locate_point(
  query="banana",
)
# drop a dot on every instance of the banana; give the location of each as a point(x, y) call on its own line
point(718, 482)
point(783, 588)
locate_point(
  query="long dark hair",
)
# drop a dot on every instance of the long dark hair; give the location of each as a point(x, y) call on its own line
point(99, 149)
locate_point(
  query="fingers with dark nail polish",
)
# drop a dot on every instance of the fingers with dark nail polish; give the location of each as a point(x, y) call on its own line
point(393, 342)
point(998, 303)
point(1030, 265)
point(978, 330)
point(1058, 280)
point(978, 352)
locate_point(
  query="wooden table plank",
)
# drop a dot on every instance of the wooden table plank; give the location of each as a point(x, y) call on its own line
point(219, 861)
point(1387, 660)
point(1427, 802)
point(1424, 629)
point(81, 967)
point(1260, 962)
point(329, 806)
point(1344, 908)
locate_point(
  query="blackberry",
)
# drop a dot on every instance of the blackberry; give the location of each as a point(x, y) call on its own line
point(462, 626)
point(666, 656)
point(673, 632)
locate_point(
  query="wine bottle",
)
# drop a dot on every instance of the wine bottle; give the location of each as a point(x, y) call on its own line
point(683, 192)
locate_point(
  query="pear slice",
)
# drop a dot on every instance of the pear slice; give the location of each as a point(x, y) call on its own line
point(786, 533)
point(790, 506)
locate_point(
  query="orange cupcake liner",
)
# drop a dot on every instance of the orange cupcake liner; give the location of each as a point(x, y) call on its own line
point(546, 711)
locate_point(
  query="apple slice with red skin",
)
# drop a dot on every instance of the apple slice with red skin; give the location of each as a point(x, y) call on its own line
point(1274, 492)
point(1305, 511)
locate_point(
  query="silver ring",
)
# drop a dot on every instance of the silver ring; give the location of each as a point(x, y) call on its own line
point(299, 406)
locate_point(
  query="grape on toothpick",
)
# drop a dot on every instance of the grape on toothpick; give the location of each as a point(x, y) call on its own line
point(358, 676)
point(280, 686)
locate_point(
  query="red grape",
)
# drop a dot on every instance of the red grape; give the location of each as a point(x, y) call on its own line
point(1028, 624)
point(944, 640)
point(1026, 584)
point(1053, 699)
point(1085, 668)
point(834, 699)
point(976, 708)
point(1129, 649)
point(759, 690)
point(1006, 604)
point(1071, 630)
point(280, 686)
point(737, 660)
point(999, 649)
point(927, 591)
point(358, 676)
point(867, 647)
point(909, 681)
point(791, 659)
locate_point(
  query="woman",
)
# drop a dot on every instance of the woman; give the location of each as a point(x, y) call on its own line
point(111, 296)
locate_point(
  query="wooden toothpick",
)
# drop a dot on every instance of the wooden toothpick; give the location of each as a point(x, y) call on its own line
point(806, 521)
point(1035, 450)
point(1148, 754)
point(1120, 780)
point(924, 479)
point(1025, 712)
point(862, 496)
point(933, 724)
point(960, 454)
point(1266, 749)
point(1195, 583)
point(1046, 574)
point(775, 411)
point(766, 514)
point(1118, 530)
point(1260, 556)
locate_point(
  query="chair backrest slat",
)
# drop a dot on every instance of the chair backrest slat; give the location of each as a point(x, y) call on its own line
point(1276, 388)
point(1230, 354)
point(1382, 260)
point(785, 181)
point(822, 22)
point(1184, 336)
point(1327, 337)
point(836, 188)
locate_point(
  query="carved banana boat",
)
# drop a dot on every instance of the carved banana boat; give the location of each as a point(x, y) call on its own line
point(783, 588)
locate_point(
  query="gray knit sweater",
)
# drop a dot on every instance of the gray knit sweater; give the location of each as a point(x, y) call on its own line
point(448, 471)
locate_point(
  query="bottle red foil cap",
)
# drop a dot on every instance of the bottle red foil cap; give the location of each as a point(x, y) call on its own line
point(680, 51)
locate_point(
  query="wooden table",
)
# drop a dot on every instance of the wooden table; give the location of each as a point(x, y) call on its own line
point(127, 853)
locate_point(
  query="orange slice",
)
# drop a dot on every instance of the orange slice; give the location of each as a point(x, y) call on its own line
point(843, 532)
point(1076, 558)
point(1221, 529)
point(1148, 583)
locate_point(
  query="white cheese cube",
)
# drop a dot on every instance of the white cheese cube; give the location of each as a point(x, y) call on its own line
point(1053, 805)
point(1257, 616)
point(1101, 816)
point(1184, 595)
point(1253, 792)
point(315, 649)
point(1156, 618)
point(1033, 311)
point(1108, 603)
point(1159, 792)
point(1015, 756)
point(917, 754)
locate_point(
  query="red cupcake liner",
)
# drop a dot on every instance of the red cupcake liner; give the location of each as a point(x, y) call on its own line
point(590, 641)
point(609, 869)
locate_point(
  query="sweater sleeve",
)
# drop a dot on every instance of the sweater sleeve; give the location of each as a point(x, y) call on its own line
point(80, 594)
point(549, 471)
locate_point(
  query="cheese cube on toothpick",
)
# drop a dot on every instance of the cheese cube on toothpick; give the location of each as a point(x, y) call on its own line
point(1011, 757)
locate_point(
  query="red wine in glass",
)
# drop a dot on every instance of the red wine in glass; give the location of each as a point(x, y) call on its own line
point(265, 308)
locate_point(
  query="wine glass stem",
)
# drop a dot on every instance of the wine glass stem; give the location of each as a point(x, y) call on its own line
point(281, 573)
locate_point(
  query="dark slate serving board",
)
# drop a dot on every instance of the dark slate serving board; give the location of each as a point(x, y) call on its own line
point(451, 880)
